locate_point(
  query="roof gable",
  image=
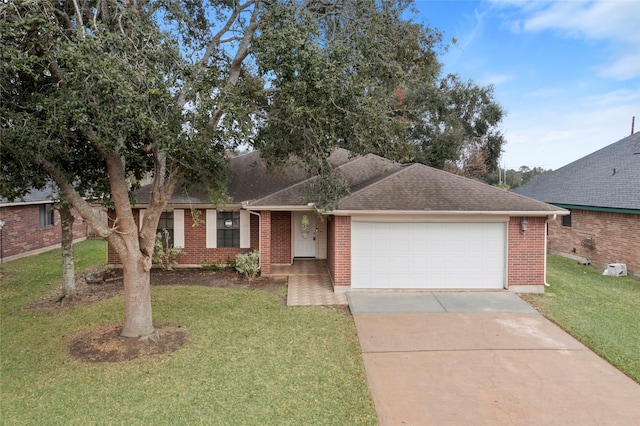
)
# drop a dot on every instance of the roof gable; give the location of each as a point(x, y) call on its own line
point(609, 177)
point(417, 187)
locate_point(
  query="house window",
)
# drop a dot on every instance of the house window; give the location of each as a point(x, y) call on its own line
point(166, 222)
point(46, 215)
point(228, 228)
point(566, 220)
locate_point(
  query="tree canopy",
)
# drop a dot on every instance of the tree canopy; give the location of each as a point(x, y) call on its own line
point(98, 95)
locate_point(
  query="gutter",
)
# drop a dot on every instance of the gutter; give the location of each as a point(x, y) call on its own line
point(449, 212)
point(598, 209)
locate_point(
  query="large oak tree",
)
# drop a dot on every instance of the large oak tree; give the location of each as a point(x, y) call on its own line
point(98, 94)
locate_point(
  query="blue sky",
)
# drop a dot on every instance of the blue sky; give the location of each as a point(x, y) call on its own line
point(567, 72)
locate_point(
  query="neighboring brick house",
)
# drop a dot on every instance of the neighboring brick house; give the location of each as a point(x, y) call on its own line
point(32, 225)
point(401, 226)
point(602, 191)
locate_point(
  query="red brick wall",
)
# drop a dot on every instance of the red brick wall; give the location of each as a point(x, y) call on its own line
point(195, 251)
point(22, 233)
point(526, 260)
point(339, 249)
point(255, 233)
point(265, 242)
point(616, 237)
point(281, 237)
point(112, 256)
point(330, 246)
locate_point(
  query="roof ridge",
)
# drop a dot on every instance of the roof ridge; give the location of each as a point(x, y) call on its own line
point(402, 167)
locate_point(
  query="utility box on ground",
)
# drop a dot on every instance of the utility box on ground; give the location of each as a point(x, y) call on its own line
point(616, 269)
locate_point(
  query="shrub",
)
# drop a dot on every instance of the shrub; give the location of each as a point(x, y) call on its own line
point(248, 264)
point(165, 254)
point(210, 266)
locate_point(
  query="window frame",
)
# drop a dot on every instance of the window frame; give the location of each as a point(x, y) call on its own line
point(228, 236)
point(165, 220)
point(45, 215)
point(566, 220)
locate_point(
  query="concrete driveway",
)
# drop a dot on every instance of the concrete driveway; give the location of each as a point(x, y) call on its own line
point(476, 358)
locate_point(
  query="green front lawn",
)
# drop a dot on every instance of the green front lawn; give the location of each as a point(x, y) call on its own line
point(251, 359)
point(602, 312)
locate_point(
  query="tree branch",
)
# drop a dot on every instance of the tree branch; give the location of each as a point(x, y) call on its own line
point(236, 64)
point(215, 42)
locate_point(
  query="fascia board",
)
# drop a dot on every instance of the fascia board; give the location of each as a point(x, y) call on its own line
point(533, 213)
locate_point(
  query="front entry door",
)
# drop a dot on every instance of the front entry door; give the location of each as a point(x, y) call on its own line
point(304, 234)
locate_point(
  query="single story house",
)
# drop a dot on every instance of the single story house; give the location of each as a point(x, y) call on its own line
point(32, 225)
point(602, 192)
point(400, 227)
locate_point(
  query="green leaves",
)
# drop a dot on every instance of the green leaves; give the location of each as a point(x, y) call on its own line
point(286, 77)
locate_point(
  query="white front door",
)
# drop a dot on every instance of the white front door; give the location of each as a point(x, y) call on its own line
point(304, 234)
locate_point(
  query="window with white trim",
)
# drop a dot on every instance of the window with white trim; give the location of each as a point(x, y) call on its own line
point(166, 222)
point(228, 228)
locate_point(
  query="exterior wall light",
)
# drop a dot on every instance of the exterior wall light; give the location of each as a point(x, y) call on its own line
point(523, 225)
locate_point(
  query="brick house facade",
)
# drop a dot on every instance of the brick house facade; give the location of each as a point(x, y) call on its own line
point(602, 192)
point(33, 228)
point(611, 237)
point(470, 236)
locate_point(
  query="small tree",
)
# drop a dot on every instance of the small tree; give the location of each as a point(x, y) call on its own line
point(164, 253)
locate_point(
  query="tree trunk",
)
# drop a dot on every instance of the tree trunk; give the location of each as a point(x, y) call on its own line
point(138, 320)
point(68, 273)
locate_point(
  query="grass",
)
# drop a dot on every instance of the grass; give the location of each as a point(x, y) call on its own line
point(251, 359)
point(602, 312)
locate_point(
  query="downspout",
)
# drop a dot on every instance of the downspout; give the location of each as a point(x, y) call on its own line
point(260, 235)
point(546, 245)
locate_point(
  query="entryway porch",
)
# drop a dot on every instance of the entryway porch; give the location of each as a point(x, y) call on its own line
point(309, 283)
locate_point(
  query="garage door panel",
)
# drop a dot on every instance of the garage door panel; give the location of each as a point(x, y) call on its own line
point(428, 255)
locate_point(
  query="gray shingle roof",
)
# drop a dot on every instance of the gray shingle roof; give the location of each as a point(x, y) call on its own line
point(609, 177)
point(358, 172)
point(34, 196)
point(417, 187)
point(376, 184)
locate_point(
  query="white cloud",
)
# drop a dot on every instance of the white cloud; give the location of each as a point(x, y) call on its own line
point(599, 20)
point(625, 67)
point(616, 97)
point(548, 92)
point(494, 79)
point(614, 22)
point(561, 134)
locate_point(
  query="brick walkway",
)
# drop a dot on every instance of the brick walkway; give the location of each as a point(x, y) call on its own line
point(309, 284)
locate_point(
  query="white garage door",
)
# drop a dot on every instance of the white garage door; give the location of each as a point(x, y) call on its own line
point(427, 255)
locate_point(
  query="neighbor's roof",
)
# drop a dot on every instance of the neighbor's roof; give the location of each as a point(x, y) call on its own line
point(34, 196)
point(376, 184)
point(607, 178)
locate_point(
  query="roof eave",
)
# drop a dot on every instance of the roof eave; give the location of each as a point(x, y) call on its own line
point(303, 207)
point(450, 212)
point(595, 208)
point(26, 203)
